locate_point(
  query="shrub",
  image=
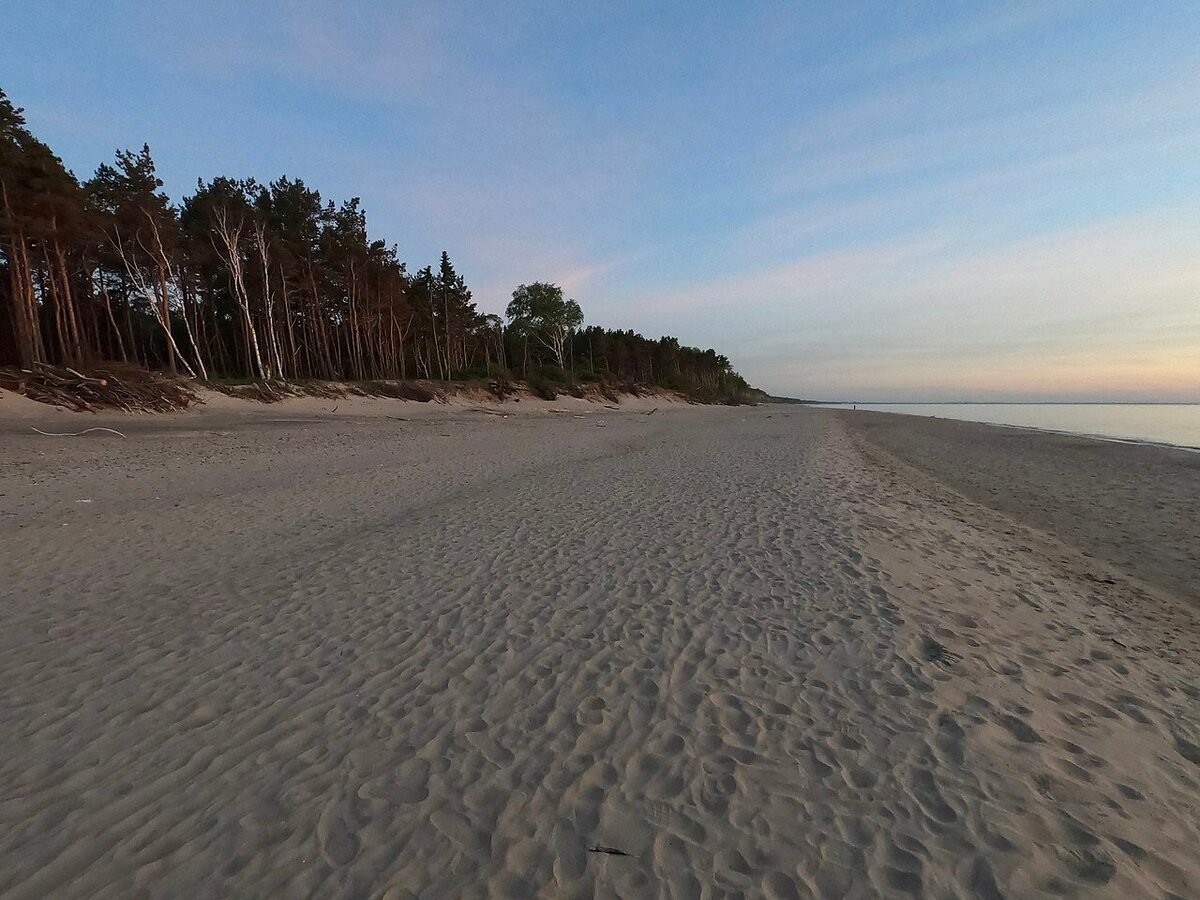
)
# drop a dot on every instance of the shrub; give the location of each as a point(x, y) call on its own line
point(542, 388)
point(398, 390)
point(477, 373)
point(501, 387)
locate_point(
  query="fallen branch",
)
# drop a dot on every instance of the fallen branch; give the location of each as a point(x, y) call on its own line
point(611, 851)
point(134, 391)
point(76, 433)
point(936, 652)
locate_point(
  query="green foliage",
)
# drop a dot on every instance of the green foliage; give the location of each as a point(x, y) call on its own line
point(627, 359)
point(474, 373)
point(539, 311)
point(542, 388)
point(502, 385)
point(270, 282)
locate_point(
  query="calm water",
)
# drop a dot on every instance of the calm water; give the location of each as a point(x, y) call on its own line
point(1177, 424)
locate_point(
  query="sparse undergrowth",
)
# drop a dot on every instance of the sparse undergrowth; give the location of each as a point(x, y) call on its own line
point(108, 386)
point(132, 389)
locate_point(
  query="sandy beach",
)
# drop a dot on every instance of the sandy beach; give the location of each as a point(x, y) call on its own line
point(400, 650)
point(1134, 505)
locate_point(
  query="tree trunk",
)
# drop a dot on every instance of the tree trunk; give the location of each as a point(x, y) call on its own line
point(70, 316)
point(113, 322)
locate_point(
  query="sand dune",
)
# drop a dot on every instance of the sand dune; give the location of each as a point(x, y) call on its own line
point(457, 656)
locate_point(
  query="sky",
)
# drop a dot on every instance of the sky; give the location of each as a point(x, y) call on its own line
point(853, 201)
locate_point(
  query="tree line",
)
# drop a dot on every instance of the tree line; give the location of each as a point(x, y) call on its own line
point(246, 280)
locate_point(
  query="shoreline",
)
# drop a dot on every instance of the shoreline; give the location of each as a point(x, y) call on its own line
point(1132, 503)
point(1191, 448)
point(1109, 439)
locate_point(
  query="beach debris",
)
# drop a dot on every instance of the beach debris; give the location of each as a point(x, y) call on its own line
point(113, 386)
point(397, 390)
point(936, 652)
point(1098, 580)
point(501, 388)
point(653, 411)
point(260, 392)
point(273, 391)
point(76, 433)
point(611, 851)
point(1045, 785)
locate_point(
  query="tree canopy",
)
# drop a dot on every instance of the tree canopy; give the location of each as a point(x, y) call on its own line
point(540, 311)
point(249, 280)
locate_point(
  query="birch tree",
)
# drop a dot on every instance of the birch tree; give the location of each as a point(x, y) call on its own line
point(540, 311)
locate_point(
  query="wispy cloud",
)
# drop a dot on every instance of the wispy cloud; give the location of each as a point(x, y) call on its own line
point(939, 130)
point(924, 316)
point(984, 26)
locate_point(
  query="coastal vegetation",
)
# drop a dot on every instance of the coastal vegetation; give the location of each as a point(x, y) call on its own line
point(271, 282)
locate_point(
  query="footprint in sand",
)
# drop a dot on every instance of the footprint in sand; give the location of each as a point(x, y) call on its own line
point(337, 834)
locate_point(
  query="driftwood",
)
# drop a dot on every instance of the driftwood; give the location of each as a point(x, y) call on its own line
point(936, 652)
point(106, 387)
point(260, 391)
point(397, 390)
point(611, 851)
point(77, 434)
point(275, 391)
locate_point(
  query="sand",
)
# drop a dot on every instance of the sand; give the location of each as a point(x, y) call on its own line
point(311, 655)
point(1136, 506)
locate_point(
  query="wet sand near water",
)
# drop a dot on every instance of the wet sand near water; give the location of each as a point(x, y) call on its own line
point(1136, 506)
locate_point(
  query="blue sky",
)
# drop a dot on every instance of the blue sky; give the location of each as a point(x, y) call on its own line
point(861, 200)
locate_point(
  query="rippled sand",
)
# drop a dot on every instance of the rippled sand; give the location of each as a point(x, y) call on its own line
point(449, 657)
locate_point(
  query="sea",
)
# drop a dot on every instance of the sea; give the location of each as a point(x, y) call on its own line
point(1173, 424)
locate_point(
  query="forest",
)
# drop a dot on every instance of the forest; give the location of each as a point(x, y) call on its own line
point(246, 281)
